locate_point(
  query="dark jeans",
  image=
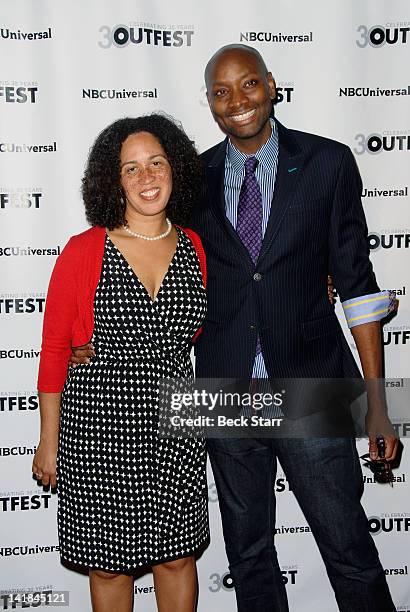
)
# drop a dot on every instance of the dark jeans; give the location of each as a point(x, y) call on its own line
point(326, 478)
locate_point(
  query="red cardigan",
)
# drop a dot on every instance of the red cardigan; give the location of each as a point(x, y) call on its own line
point(69, 312)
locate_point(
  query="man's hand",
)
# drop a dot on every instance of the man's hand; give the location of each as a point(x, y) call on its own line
point(378, 424)
point(81, 354)
point(368, 341)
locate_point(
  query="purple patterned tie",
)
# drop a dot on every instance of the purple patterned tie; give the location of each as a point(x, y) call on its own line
point(249, 221)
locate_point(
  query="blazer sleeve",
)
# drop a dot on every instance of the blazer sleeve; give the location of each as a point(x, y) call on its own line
point(59, 316)
point(349, 261)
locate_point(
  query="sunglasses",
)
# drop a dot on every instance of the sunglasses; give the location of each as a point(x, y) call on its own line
point(380, 468)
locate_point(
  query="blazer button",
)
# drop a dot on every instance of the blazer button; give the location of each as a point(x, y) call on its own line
point(252, 327)
point(257, 277)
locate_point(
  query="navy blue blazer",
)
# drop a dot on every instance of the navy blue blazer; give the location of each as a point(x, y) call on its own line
point(316, 226)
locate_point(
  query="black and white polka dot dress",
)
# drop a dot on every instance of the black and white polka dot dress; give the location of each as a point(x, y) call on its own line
point(128, 498)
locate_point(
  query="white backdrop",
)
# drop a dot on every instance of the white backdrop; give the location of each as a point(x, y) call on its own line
point(66, 71)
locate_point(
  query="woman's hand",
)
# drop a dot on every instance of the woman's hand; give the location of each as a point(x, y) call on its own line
point(44, 463)
point(331, 293)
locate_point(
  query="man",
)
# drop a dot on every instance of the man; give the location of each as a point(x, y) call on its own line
point(280, 210)
point(272, 228)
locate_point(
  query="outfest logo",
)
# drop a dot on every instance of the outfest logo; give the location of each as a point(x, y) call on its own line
point(396, 335)
point(389, 239)
point(377, 36)
point(25, 596)
point(224, 581)
point(17, 502)
point(387, 141)
point(387, 523)
point(20, 197)
point(284, 92)
point(22, 303)
point(15, 401)
point(18, 92)
point(137, 33)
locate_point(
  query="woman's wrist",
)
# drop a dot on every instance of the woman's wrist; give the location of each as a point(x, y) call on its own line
point(49, 438)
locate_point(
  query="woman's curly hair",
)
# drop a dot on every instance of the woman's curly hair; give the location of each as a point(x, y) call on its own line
point(101, 188)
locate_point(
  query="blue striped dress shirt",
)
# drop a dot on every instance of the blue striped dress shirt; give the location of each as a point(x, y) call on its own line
point(265, 174)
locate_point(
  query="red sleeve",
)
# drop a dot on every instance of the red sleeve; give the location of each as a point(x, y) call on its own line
point(196, 241)
point(60, 313)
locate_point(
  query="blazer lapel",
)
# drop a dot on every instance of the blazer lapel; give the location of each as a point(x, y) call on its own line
point(215, 171)
point(290, 163)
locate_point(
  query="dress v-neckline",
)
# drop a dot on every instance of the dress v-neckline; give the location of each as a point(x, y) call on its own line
point(150, 299)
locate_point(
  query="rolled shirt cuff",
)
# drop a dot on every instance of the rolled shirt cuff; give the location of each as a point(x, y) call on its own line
point(367, 308)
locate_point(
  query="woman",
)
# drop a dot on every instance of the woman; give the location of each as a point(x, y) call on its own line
point(134, 284)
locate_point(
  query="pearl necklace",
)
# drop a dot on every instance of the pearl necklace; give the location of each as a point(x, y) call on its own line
point(163, 235)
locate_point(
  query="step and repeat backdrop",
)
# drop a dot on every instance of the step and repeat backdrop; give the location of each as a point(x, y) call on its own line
point(69, 69)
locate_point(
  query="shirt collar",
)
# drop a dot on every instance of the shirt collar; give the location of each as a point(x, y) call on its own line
point(267, 155)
